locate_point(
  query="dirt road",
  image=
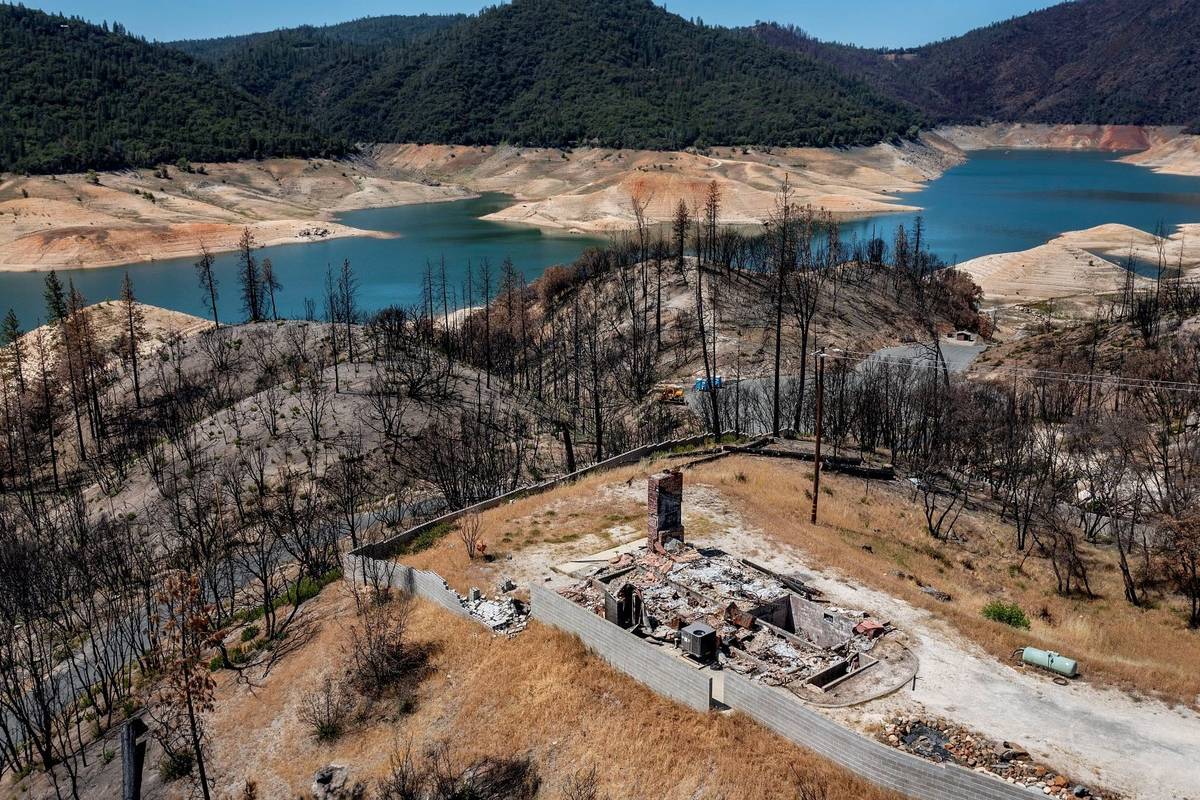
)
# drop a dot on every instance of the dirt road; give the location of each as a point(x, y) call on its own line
point(1138, 746)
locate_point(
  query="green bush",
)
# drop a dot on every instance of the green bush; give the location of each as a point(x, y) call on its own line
point(302, 592)
point(249, 614)
point(174, 766)
point(307, 590)
point(249, 632)
point(426, 539)
point(1008, 613)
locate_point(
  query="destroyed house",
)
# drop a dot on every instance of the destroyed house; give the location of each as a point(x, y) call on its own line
point(765, 625)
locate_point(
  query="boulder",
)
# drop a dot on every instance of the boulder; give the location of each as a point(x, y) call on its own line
point(331, 782)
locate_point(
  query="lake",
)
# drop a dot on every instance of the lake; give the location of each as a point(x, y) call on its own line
point(389, 271)
point(998, 201)
point(1001, 201)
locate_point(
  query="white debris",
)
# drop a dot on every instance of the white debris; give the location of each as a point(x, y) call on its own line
point(502, 615)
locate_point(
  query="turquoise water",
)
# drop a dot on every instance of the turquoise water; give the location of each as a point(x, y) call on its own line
point(1001, 201)
point(389, 271)
point(998, 201)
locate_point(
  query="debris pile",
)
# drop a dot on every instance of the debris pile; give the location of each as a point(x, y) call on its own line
point(502, 614)
point(944, 742)
point(768, 626)
point(727, 612)
point(776, 661)
point(722, 576)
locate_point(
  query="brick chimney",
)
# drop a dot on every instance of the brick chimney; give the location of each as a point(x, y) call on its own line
point(664, 508)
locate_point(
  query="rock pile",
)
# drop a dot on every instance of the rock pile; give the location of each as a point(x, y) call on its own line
point(941, 741)
point(503, 614)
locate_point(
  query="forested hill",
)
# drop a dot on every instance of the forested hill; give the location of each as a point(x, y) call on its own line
point(384, 31)
point(307, 69)
point(76, 96)
point(1089, 61)
point(618, 73)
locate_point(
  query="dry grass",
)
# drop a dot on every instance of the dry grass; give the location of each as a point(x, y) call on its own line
point(583, 517)
point(541, 694)
point(1148, 650)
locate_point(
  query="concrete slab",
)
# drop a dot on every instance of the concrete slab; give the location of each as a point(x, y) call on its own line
point(583, 567)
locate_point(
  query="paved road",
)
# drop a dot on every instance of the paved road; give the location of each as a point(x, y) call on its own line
point(958, 355)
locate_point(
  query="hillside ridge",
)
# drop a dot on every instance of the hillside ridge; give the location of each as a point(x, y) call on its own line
point(78, 96)
point(1090, 61)
point(557, 73)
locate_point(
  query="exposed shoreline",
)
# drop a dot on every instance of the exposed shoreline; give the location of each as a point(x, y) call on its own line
point(179, 241)
point(1080, 265)
point(71, 222)
point(68, 222)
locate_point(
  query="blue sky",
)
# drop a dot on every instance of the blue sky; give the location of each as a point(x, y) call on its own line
point(872, 23)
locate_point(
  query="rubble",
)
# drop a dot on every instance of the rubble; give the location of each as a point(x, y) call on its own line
point(940, 741)
point(503, 614)
point(766, 630)
point(771, 627)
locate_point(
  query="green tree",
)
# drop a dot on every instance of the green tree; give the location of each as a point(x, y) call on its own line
point(77, 97)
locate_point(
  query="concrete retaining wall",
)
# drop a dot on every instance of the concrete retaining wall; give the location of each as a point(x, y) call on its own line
point(390, 574)
point(882, 765)
point(645, 663)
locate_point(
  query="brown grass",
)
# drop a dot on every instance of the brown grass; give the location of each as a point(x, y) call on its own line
point(1117, 644)
point(541, 694)
point(555, 522)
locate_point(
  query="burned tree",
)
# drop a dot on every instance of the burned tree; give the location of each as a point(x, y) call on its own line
point(208, 282)
point(250, 277)
point(134, 333)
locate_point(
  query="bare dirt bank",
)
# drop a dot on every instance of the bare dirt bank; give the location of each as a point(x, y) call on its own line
point(70, 221)
point(159, 324)
point(109, 324)
point(590, 189)
point(1178, 156)
point(1080, 263)
point(1022, 136)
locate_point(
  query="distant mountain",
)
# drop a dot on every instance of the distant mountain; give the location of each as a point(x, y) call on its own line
point(1088, 61)
point(302, 70)
point(619, 73)
point(384, 31)
point(76, 96)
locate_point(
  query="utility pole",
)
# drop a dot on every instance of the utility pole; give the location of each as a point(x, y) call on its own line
point(133, 756)
point(816, 492)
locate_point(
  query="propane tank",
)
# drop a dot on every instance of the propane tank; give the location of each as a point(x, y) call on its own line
point(1054, 662)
